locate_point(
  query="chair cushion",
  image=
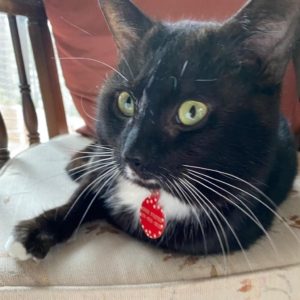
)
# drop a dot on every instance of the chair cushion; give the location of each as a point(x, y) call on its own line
point(101, 256)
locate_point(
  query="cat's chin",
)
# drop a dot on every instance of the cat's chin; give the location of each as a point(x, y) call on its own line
point(150, 184)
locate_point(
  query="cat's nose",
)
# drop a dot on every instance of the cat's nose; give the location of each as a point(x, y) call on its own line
point(134, 161)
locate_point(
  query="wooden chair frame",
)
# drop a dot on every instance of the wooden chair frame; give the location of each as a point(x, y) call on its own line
point(46, 69)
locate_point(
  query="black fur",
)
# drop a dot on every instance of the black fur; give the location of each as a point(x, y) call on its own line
point(235, 68)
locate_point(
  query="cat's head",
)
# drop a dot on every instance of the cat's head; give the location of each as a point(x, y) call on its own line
point(195, 93)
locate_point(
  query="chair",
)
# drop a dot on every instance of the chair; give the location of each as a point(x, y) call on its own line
point(100, 262)
point(46, 68)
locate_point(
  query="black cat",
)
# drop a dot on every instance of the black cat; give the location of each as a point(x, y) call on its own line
point(192, 153)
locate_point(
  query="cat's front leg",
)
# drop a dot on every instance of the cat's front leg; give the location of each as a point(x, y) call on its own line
point(34, 238)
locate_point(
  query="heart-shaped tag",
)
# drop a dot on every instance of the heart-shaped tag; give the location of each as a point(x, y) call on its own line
point(152, 217)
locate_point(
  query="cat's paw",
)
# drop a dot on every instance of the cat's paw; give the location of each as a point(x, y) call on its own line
point(16, 249)
point(29, 241)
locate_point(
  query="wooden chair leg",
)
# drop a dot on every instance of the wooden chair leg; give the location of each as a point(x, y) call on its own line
point(47, 73)
point(4, 153)
point(29, 113)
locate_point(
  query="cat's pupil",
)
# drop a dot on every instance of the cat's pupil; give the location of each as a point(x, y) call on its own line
point(193, 112)
point(128, 103)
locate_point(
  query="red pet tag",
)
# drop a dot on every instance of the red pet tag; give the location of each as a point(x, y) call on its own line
point(152, 217)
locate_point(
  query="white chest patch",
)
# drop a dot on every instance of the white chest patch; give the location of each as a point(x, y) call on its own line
point(131, 196)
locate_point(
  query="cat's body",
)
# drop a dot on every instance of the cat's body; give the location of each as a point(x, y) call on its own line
point(121, 206)
point(193, 112)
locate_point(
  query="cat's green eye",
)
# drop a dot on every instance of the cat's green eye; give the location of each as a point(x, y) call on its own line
point(126, 104)
point(192, 112)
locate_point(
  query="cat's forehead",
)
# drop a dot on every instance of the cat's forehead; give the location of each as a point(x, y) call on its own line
point(179, 40)
point(176, 48)
point(178, 62)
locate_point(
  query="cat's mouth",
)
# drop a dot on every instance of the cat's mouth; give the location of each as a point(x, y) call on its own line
point(145, 180)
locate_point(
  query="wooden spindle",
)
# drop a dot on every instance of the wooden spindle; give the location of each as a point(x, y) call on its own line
point(29, 113)
point(4, 153)
point(43, 53)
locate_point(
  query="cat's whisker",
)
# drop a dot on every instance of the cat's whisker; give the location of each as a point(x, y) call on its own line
point(90, 163)
point(75, 26)
point(234, 177)
point(42, 181)
point(174, 189)
point(95, 145)
point(181, 195)
point(128, 66)
point(107, 174)
point(181, 182)
point(276, 214)
point(95, 186)
point(112, 182)
point(104, 149)
point(95, 169)
point(97, 61)
point(101, 152)
point(88, 170)
point(114, 169)
point(235, 187)
point(197, 192)
point(85, 151)
point(201, 175)
point(89, 157)
point(168, 183)
point(96, 152)
point(88, 186)
point(186, 199)
point(249, 214)
point(85, 112)
point(223, 217)
point(111, 178)
point(185, 196)
point(78, 198)
point(200, 201)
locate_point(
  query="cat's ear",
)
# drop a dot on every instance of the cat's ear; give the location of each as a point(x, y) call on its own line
point(263, 34)
point(126, 22)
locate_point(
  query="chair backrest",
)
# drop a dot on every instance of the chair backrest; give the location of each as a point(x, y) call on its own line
point(46, 69)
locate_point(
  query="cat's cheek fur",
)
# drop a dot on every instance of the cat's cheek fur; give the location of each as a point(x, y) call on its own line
point(128, 196)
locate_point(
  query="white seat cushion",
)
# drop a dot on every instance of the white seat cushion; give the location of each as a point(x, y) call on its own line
point(100, 256)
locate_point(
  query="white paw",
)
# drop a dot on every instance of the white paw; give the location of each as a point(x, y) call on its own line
point(16, 249)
